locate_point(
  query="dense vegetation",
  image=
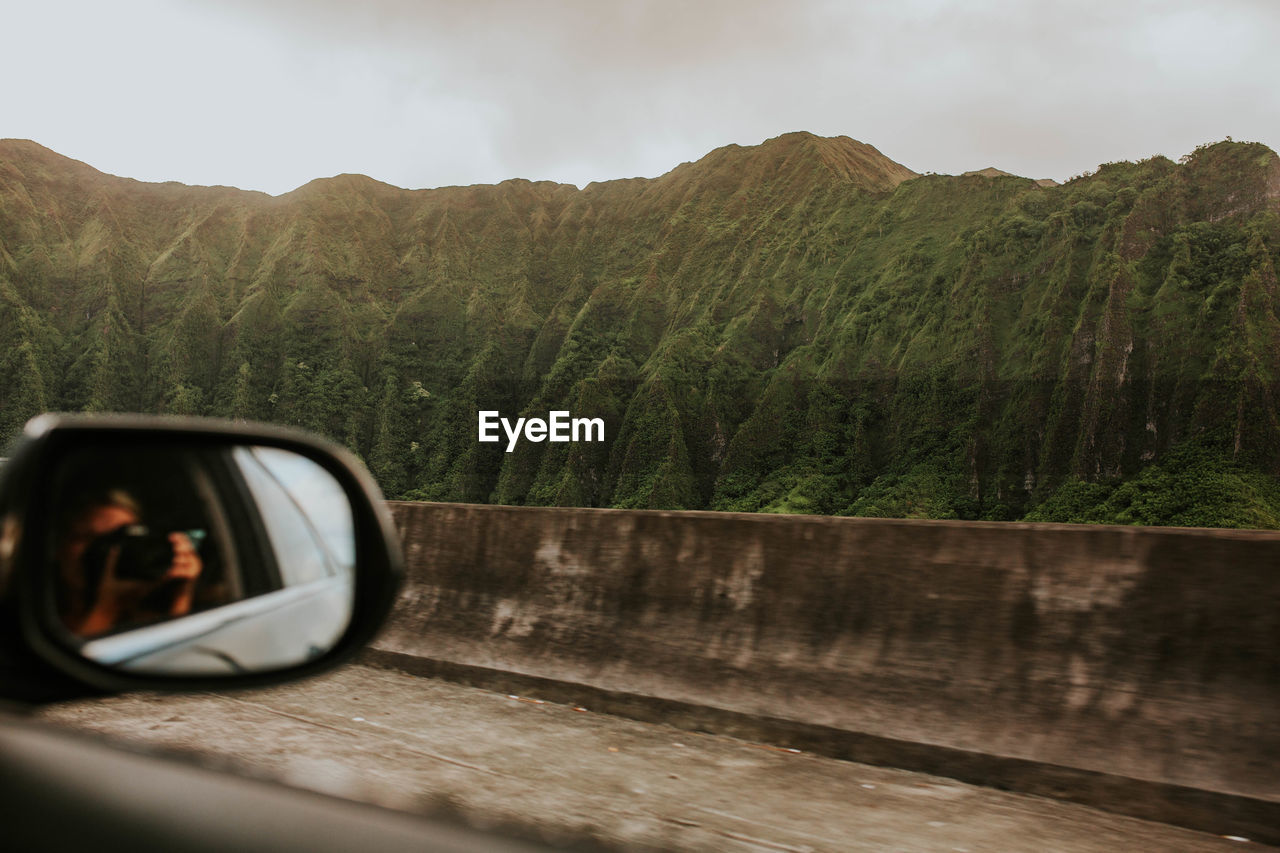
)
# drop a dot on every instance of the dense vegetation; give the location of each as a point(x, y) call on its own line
point(804, 326)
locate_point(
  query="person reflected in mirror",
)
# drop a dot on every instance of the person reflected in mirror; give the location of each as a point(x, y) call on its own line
point(114, 573)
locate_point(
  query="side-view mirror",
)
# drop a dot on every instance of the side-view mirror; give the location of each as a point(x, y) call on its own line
point(160, 553)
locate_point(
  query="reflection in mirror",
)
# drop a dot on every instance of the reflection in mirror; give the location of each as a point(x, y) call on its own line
point(199, 560)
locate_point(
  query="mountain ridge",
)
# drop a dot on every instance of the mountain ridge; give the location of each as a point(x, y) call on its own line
point(844, 156)
point(803, 325)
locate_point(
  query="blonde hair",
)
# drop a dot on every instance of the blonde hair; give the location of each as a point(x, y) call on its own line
point(83, 503)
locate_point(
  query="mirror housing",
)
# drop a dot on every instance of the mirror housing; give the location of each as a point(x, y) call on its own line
point(363, 579)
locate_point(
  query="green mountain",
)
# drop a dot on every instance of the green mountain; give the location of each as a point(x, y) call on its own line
point(801, 326)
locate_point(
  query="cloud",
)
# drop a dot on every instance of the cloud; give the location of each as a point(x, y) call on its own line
point(270, 94)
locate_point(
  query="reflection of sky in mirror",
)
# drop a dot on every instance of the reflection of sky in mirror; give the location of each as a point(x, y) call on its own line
point(318, 495)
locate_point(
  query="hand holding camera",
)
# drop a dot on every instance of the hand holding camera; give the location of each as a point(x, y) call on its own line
point(140, 576)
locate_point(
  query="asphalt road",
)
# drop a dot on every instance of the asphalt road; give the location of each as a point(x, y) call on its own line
point(566, 773)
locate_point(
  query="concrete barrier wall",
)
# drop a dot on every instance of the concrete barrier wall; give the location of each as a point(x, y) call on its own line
point(1143, 652)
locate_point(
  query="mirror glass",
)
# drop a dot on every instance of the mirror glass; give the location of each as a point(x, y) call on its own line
point(199, 559)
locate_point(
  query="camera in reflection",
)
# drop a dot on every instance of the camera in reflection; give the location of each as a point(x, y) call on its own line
point(135, 553)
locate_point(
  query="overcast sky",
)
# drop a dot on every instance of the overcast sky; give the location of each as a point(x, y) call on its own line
point(268, 94)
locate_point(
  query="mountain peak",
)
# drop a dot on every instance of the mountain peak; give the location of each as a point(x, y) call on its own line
point(29, 156)
point(850, 159)
point(989, 172)
point(993, 172)
point(346, 182)
point(801, 154)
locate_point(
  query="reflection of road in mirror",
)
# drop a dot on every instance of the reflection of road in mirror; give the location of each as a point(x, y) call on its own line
point(269, 632)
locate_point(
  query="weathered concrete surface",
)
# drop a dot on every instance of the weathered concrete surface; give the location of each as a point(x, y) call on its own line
point(552, 772)
point(1139, 652)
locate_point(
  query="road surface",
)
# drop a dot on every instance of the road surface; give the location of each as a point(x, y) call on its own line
point(424, 745)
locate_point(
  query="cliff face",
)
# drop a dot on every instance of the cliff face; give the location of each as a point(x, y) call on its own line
point(800, 326)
